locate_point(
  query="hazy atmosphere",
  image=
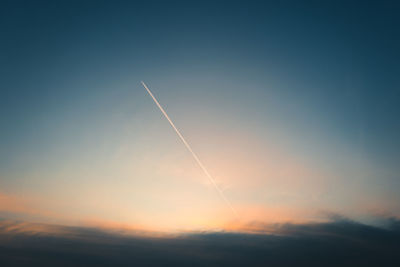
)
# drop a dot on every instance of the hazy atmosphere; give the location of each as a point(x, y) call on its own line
point(284, 142)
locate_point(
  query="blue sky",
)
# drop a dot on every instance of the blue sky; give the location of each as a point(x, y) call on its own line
point(291, 105)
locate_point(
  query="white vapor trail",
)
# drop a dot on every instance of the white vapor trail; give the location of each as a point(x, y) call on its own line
point(221, 193)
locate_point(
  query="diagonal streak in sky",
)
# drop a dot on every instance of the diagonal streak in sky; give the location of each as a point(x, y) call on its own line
point(221, 193)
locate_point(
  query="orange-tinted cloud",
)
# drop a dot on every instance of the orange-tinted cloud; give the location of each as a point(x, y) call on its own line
point(13, 203)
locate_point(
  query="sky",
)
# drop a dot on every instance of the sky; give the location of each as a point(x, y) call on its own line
point(292, 106)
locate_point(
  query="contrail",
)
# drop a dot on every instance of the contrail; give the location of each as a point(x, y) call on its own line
point(221, 193)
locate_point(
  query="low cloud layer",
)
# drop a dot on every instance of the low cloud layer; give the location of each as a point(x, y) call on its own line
point(337, 243)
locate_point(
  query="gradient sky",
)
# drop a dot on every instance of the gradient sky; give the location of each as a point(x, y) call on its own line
point(291, 105)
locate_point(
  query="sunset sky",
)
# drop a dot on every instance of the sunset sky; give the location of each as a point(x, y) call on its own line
point(293, 108)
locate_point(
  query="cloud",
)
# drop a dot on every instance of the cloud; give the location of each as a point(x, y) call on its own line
point(28, 208)
point(335, 243)
point(13, 203)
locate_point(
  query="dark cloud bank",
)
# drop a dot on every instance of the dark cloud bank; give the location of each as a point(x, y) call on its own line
point(338, 243)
